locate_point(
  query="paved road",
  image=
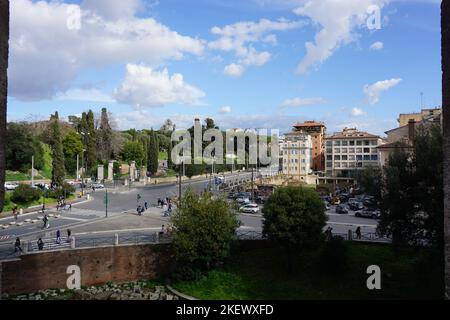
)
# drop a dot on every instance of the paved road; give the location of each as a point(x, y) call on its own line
point(88, 219)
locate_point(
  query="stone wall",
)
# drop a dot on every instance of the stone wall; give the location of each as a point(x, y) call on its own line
point(39, 271)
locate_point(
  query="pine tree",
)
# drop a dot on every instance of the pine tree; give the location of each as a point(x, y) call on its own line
point(104, 137)
point(58, 171)
point(153, 153)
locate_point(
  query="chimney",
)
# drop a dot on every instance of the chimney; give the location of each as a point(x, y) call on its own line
point(411, 130)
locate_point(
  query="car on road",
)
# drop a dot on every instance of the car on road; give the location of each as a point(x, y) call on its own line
point(327, 205)
point(98, 186)
point(243, 199)
point(355, 206)
point(11, 186)
point(341, 209)
point(249, 208)
point(372, 214)
point(232, 195)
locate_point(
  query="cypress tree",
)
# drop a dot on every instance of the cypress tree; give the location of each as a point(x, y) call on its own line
point(91, 141)
point(104, 137)
point(153, 153)
point(58, 170)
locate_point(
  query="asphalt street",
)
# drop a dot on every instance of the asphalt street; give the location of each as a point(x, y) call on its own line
point(89, 219)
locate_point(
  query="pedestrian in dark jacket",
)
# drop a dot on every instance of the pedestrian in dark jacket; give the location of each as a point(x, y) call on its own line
point(40, 244)
point(17, 245)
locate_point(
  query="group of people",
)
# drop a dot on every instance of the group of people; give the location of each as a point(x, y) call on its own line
point(166, 205)
point(140, 209)
point(62, 205)
point(329, 233)
point(40, 242)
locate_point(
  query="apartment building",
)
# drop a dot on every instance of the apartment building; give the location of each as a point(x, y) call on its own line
point(317, 132)
point(348, 151)
point(296, 155)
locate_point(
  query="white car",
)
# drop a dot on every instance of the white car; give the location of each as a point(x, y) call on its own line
point(249, 208)
point(98, 186)
point(11, 186)
point(242, 200)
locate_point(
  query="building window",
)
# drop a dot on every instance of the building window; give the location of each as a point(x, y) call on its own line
point(337, 143)
point(344, 150)
point(366, 150)
point(358, 150)
point(337, 164)
point(367, 143)
point(329, 150)
point(337, 157)
point(352, 143)
point(329, 164)
point(344, 165)
point(337, 150)
point(344, 143)
point(329, 143)
point(366, 158)
point(359, 143)
point(351, 157)
point(344, 158)
point(329, 158)
point(359, 158)
point(351, 150)
point(374, 157)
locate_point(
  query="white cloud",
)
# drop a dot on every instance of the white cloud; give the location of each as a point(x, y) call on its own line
point(91, 95)
point(299, 102)
point(377, 46)
point(338, 20)
point(46, 56)
point(145, 87)
point(374, 91)
point(113, 9)
point(240, 37)
point(233, 70)
point(357, 112)
point(225, 110)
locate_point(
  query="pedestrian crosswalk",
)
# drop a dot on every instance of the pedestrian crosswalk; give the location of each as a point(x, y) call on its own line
point(5, 237)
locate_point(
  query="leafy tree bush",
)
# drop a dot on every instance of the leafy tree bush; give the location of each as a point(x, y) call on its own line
point(24, 193)
point(7, 200)
point(334, 256)
point(65, 190)
point(203, 229)
point(133, 151)
point(294, 217)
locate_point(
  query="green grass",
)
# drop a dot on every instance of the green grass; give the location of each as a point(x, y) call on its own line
point(16, 176)
point(48, 201)
point(163, 155)
point(262, 274)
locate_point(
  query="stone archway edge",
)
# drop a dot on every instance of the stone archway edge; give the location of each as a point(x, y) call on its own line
point(179, 294)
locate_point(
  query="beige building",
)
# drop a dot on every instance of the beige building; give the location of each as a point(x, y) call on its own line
point(351, 150)
point(296, 155)
point(425, 115)
point(317, 132)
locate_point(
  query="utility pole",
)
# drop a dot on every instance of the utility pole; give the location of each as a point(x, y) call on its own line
point(32, 171)
point(179, 187)
point(78, 167)
point(253, 189)
point(106, 203)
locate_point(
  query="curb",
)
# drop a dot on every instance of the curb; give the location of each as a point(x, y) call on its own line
point(180, 295)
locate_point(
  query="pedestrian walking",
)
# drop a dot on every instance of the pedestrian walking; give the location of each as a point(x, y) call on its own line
point(69, 234)
point(45, 220)
point(58, 237)
point(139, 210)
point(329, 234)
point(40, 244)
point(17, 245)
point(146, 205)
point(358, 233)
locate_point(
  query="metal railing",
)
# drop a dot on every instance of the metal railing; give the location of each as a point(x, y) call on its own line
point(7, 250)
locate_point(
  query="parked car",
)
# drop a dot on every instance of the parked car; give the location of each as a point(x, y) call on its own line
point(327, 206)
point(355, 206)
point(98, 186)
point(11, 186)
point(341, 209)
point(249, 208)
point(261, 199)
point(372, 214)
point(335, 201)
point(242, 199)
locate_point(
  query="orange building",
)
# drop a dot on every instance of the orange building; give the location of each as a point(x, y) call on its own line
point(317, 132)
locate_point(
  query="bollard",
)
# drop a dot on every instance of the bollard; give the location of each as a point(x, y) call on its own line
point(72, 242)
point(157, 237)
point(24, 247)
point(350, 235)
point(88, 197)
point(116, 239)
point(20, 211)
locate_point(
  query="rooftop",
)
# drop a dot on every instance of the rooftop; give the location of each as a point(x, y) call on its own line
point(352, 133)
point(309, 124)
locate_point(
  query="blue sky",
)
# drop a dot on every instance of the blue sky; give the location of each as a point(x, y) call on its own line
point(244, 64)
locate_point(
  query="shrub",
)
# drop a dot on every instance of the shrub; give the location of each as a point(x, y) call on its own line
point(7, 198)
point(186, 272)
point(26, 194)
point(334, 256)
point(65, 190)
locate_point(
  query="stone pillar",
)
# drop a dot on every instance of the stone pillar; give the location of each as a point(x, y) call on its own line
point(142, 174)
point(72, 242)
point(133, 171)
point(111, 171)
point(100, 173)
point(116, 239)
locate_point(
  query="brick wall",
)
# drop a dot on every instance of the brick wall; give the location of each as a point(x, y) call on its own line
point(40, 271)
